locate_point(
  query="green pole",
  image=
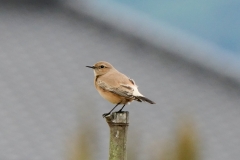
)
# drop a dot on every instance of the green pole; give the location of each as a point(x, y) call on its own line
point(118, 124)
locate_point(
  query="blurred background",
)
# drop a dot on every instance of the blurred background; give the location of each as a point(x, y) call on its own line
point(184, 55)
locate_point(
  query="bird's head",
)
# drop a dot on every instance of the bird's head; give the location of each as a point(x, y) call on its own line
point(101, 68)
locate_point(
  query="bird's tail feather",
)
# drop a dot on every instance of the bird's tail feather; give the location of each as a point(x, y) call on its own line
point(141, 98)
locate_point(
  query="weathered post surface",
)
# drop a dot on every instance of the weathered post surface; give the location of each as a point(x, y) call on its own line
point(118, 123)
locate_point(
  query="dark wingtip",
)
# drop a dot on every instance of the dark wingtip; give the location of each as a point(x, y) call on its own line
point(153, 102)
point(146, 100)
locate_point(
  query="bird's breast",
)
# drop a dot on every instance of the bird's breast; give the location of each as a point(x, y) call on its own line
point(112, 97)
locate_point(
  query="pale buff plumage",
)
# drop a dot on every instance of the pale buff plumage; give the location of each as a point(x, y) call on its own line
point(115, 86)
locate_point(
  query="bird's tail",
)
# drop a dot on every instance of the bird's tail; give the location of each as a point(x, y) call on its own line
point(141, 98)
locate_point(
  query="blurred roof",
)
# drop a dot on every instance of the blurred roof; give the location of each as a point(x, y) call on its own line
point(200, 31)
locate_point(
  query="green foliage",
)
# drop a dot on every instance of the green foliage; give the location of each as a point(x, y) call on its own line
point(80, 145)
point(184, 147)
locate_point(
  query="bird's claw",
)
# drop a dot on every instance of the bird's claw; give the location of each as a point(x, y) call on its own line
point(106, 114)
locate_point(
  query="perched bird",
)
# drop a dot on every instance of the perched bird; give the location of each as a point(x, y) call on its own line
point(115, 86)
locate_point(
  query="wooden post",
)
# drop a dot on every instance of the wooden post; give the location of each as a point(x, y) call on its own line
point(118, 123)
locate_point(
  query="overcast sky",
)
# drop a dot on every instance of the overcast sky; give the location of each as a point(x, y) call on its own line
point(213, 20)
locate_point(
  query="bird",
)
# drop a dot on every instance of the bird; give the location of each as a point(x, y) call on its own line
point(115, 87)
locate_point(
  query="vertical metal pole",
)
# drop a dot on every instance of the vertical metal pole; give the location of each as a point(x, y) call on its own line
point(118, 123)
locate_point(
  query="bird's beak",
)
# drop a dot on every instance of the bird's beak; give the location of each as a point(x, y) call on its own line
point(93, 67)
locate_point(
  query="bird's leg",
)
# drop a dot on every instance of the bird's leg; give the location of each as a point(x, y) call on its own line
point(106, 114)
point(120, 110)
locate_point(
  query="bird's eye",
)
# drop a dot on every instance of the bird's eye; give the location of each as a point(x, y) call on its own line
point(102, 66)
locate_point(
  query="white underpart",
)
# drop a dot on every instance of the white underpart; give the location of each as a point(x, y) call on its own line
point(135, 88)
point(135, 91)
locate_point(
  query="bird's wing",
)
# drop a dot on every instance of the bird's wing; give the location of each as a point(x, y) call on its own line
point(120, 89)
point(132, 81)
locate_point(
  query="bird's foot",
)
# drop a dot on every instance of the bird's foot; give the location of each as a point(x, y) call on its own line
point(120, 111)
point(106, 114)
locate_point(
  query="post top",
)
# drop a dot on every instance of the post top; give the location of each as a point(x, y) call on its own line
point(118, 117)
